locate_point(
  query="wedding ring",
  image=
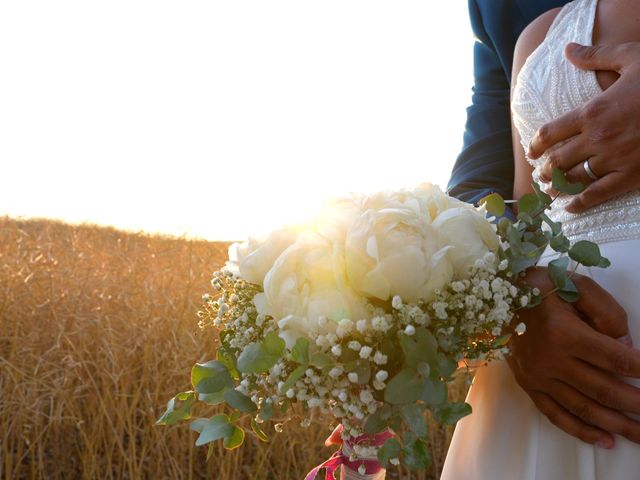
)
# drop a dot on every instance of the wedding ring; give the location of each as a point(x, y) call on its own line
point(587, 168)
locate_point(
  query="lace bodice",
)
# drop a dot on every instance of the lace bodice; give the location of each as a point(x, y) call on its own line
point(549, 86)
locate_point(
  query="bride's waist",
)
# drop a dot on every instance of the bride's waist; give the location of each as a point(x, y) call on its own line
point(615, 220)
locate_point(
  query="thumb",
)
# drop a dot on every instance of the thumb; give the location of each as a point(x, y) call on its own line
point(598, 57)
point(601, 310)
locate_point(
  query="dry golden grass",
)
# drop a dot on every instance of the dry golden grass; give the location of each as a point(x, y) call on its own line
point(98, 330)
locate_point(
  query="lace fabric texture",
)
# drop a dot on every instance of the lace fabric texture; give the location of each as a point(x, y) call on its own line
point(549, 86)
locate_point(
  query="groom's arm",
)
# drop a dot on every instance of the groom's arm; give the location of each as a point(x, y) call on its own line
point(486, 162)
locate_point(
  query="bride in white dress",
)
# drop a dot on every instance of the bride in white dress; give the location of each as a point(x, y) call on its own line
point(506, 437)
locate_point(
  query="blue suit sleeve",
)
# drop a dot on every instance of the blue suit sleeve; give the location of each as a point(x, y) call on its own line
point(486, 163)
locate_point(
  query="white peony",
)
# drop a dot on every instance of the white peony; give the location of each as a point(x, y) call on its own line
point(306, 290)
point(253, 258)
point(470, 235)
point(434, 201)
point(392, 249)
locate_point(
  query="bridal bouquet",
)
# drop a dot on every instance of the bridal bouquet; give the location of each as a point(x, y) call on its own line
point(363, 315)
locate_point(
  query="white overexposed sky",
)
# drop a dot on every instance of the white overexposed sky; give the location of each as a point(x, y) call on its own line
point(221, 119)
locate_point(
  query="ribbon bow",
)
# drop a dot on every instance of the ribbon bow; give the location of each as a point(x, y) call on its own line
point(341, 457)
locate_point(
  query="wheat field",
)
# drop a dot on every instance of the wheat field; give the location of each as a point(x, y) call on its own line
point(98, 330)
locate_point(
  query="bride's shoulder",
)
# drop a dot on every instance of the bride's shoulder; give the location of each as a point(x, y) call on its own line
point(531, 38)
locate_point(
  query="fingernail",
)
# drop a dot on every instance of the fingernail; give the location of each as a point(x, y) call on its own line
point(626, 340)
point(606, 443)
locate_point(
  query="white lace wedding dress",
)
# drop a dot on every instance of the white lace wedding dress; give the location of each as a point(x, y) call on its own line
point(506, 437)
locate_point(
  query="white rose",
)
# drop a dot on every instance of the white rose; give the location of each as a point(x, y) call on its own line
point(253, 258)
point(306, 291)
point(391, 249)
point(470, 234)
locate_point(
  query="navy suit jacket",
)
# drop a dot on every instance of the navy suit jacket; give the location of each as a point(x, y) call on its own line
point(486, 163)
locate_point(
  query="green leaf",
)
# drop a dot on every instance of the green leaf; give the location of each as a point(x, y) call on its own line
point(235, 416)
point(212, 398)
point(560, 183)
point(557, 270)
point(560, 243)
point(256, 359)
point(273, 344)
point(363, 369)
point(494, 203)
point(453, 412)
point(228, 361)
point(569, 293)
point(501, 341)
point(300, 351)
point(530, 204)
point(210, 377)
point(413, 416)
point(556, 227)
point(293, 378)
point(239, 401)
point(405, 387)
point(434, 392)
point(585, 252)
point(416, 455)
point(389, 450)
point(446, 366)
point(178, 408)
point(544, 197)
point(215, 428)
point(320, 360)
point(266, 411)
point(258, 431)
point(374, 424)
point(235, 439)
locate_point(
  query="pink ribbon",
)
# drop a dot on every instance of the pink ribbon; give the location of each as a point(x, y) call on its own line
point(339, 458)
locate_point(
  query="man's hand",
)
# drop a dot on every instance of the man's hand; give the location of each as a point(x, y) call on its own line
point(569, 360)
point(605, 130)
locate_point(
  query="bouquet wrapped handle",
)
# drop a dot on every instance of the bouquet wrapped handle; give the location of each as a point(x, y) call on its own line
point(352, 467)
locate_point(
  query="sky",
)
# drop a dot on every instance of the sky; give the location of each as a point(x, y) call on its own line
point(224, 119)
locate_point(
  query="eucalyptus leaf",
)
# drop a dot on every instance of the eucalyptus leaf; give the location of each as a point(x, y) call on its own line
point(293, 377)
point(178, 408)
point(569, 293)
point(405, 387)
point(413, 416)
point(212, 398)
point(256, 359)
point(390, 449)
point(235, 439)
point(300, 351)
point(494, 203)
point(560, 183)
point(585, 252)
point(258, 431)
point(530, 204)
point(240, 401)
point(544, 197)
point(210, 377)
point(374, 424)
point(266, 411)
point(215, 428)
point(320, 360)
point(557, 271)
point(434, 392)
point(273, 344)
point(453, 412)
point(416, 455)
point(560, 243)
point(228, 361)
